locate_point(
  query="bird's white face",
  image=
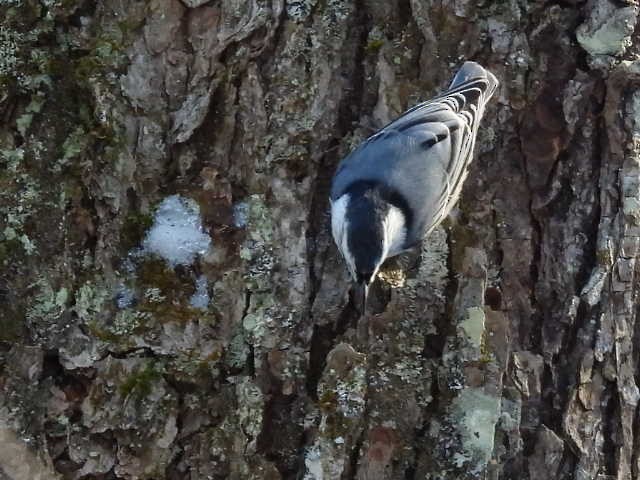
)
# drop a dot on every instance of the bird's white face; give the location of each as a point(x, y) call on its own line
point(339, 229)
point(395, 232)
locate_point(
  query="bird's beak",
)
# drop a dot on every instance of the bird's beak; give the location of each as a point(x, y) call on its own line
point(360, 291)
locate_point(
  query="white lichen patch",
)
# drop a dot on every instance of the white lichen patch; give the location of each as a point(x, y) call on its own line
point(9, 41)
point(473, 325)
point(324, 460)
point(154, 295)
point(126, 322)
point(89, 301)
point(48, 304)
point(476, 414)
point(200, 299)
point(28, 246)
point(177, 234)
point(608, 29)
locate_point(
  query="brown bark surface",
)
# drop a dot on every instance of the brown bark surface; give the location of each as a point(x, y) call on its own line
point(506, 347)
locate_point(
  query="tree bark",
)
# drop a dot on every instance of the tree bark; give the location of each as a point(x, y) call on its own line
point(504, 348)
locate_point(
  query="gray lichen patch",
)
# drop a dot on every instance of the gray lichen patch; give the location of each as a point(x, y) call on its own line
point(162, 319)
point(251, 406)
point(341, 400)
point(22, 198)
point(473, 355)
point(90, 301)
point(344, 381)
point(473, 325)
point(257, 249)
point(264, 315)
point(608, 29)
point(130, 399)
point(78, 350)
point(427, 285)
point(9, 57)
point(116, 400)
point(259, 320)
point(21, 385)
point(45, 313)
point(433, 266)
point(476, 414)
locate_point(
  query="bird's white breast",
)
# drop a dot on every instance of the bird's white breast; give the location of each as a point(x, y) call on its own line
point(395, 232)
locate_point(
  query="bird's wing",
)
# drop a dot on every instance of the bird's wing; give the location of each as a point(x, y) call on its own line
point(424, 154)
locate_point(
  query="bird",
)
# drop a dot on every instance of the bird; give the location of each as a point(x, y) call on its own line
point(401, 182)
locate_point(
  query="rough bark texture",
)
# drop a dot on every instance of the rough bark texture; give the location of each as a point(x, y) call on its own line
point(504, 348)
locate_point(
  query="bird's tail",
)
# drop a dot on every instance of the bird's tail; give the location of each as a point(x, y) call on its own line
point(468, 94)
point(473, 80)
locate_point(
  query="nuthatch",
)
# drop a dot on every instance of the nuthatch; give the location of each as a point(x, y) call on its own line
point(401, 182)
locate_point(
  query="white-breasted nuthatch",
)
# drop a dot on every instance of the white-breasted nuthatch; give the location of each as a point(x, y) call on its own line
point(401, 182)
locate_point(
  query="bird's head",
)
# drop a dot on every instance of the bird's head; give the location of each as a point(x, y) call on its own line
point(364, 253)
point(365, 230)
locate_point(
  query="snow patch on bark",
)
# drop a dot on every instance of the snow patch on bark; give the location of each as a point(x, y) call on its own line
point(177, 234)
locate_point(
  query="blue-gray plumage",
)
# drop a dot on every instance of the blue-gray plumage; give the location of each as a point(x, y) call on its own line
point(402, 182)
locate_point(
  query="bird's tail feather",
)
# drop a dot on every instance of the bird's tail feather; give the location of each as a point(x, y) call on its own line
point(473, 76)
point(468, 94)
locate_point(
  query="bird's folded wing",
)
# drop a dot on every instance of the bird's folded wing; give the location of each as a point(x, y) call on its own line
point(424, 155)
point(422, 159)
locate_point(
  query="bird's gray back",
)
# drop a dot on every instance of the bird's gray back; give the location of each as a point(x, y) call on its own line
point(423, 155)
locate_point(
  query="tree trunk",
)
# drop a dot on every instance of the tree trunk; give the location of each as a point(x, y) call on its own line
point(173, 305)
